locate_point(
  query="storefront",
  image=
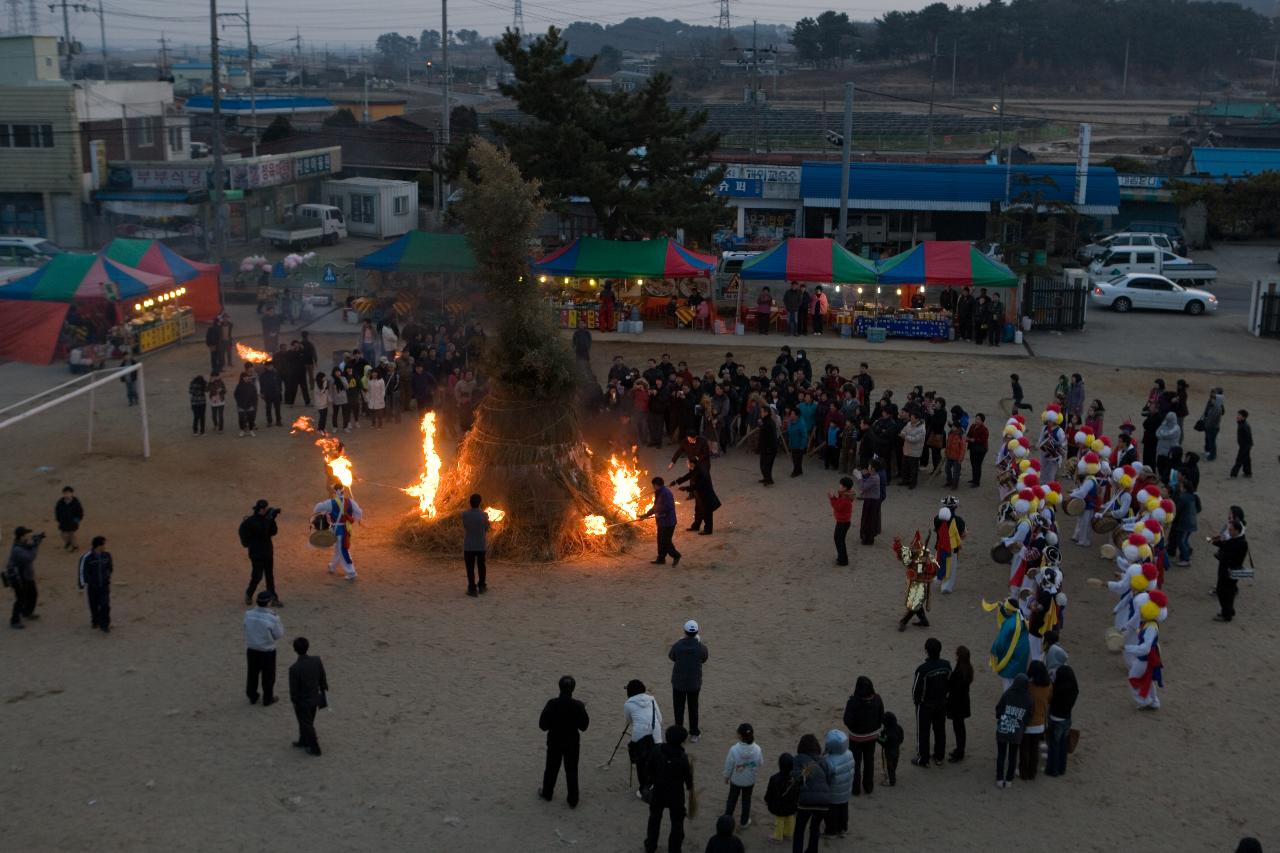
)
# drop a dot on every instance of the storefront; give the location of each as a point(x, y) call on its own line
point(765, 200)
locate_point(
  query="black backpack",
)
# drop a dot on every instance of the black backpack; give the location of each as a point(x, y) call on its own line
point(244, 532)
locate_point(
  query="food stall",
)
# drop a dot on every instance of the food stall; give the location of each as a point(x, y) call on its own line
point(932, 264)
point(811, 260)
point(158, 321)
point(644, 276)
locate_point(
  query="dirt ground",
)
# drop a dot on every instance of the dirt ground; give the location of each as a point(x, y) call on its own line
point(143, 740)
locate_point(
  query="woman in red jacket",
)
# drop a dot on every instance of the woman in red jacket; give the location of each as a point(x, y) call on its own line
point(842, 509)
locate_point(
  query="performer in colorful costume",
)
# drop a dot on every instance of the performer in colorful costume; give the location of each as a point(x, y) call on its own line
point(1049, 605)
point(1053, 441)
point(921, 570)
point(342, 512)
point(948, 530)
point(1089, 492)
point(1011, 650)
point(1146, 670)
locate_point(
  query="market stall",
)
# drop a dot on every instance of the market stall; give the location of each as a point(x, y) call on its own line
point(106, 309)
point(414, 264)
point(819, 260)
point(909, 280)
point(642, 275)
point(152, 256)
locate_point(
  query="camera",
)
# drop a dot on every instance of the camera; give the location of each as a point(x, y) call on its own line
point(38, 538)
point(273, 512)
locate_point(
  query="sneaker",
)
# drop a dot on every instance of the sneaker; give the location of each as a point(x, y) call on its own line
point(999, 783)
point(471, 591)
point(1183, 563)
point(242, 433)
point(922, 763)
point(695, 738)
point(482, 588)
point(253, 434)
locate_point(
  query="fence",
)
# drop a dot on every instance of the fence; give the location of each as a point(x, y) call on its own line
point(1264, 310)
point(1056, 304)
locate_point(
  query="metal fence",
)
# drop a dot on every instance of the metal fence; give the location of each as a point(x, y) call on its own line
point(1269, 316)
point(1055, 304)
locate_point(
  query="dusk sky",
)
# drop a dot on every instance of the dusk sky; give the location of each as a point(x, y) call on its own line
point(140, 23)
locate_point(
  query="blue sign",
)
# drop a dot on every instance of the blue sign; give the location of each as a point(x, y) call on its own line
point(330, 274)
point(741, 188)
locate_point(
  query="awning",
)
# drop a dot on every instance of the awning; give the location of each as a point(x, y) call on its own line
point(151, 208)
point(818, 259)
point(952, 263)
point(73, 277)
point(420, 251)
point(200, 279)
point(591, 256)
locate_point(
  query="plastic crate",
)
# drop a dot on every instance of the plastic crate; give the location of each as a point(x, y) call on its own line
point(876, 334)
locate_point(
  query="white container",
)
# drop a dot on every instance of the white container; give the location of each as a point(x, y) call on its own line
point(637, 327)
point(374, 207)
point(740, 330)
point(1026, 324)
point(1017, 337)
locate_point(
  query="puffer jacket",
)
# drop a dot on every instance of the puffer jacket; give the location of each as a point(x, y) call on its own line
point(1168, 435)
point(813, 778)
point(913, 438)
point(839, 762)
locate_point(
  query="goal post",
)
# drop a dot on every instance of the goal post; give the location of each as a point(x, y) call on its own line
point(85, 384)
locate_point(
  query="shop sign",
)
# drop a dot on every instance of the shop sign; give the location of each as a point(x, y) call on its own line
point(772, 174)
point(740, 188)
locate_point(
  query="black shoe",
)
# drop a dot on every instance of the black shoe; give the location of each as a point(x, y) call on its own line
point(253, 700)
point(31, 616)
point(275, 602)
point(471, 591)
point(660, 562)
point(248, 600)
point(268, 702)
point(922, 763)
point(704, 532)
point(842, 562)
point(482, 588)
point(17, 626)
point(692, 527)
point(106, 629)
point(675, 561)
point(94, 625)
point(315, 750)
point(299, 744)
point(955, 757)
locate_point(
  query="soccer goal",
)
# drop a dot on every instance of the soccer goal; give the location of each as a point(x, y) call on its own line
point(87, 383)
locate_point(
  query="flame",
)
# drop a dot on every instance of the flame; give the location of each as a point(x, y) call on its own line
point(429, 481)
point(626, 488)
point(251, 355)
point(495, 514)
point(302, 424)
point(335, 457)
point(595, 525)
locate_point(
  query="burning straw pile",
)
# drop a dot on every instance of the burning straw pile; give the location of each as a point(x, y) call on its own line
point(525, 452)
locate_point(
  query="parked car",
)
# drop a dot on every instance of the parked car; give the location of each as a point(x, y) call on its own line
point(1138, 260)
point(309, 224)
point(1124, 239)
point(1137, 290)
point(26, 251)
point(1172, 230)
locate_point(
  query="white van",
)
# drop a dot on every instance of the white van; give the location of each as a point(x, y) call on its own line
point(1125, 240)
point(26, 251)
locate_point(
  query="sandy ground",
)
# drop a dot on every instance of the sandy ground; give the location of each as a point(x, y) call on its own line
point(142, 740)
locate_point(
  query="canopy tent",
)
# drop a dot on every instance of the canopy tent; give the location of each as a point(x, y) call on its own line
point(819, 259)
point(29, 330)
point(201, 280)
point(949, 263)
point(420, 251)
point(591, 256)
point(84, 278)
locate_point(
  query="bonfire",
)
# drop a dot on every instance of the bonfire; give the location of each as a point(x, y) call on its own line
point(525, 451)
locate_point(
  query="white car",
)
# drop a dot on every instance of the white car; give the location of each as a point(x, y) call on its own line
point(1124, 240)
point(1145, 290)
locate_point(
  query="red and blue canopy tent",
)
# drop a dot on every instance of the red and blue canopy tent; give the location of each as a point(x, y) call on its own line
point(597, 258)
point(947, 263)
point(810, 259)
point(34, 308)
point(152, 256)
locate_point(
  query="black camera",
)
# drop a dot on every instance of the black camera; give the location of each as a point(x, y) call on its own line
point(273, 512)
point(38, 538)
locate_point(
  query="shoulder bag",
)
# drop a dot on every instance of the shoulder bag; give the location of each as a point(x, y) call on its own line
point(1240, 573)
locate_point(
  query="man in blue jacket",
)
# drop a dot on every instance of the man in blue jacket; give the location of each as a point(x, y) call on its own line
point(95, 574)
point(664, 512)
point(688, 655)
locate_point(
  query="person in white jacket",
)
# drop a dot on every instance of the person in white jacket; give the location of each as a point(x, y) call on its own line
point(375, 397)
point(740, 768)
point(644, 718)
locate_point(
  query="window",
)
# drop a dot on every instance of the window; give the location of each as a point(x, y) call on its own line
point(1117, 258)
point(362, 209)
point(401, 205)
point(26, 136)
point(1168, 257)
point(1144, 257)
point(144, 137)
point(175, 139)
point(335, 201)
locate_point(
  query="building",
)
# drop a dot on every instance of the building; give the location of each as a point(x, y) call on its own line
point(1231, 163)
point(394, 148)
point(57, 136)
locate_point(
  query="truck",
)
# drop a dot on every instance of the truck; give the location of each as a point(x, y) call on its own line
point(307, 225)
point(1124, 239)
point(1135, 259)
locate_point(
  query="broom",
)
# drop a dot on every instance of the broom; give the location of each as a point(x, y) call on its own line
point(693, 794)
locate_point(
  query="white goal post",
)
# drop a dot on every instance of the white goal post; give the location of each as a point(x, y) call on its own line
point(66, 391)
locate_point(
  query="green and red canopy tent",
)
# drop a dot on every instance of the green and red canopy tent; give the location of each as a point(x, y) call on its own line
point(592, 257)
point(152, 256)
point(33, 309)
point(810, 259)
point(944, 263)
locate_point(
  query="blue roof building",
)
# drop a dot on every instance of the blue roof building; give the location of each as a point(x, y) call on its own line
point(1223, 163)
point(262, 105)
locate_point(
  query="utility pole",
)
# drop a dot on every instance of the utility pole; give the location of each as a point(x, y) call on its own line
point(102, 31)
point(1124, 80)
point(755, 92)
point(1000, 125)
point(444, 123)
point(846, 154)
point(219, 178)
point(66, 36)
point(933, 77)
point(955, 46)
point(164, 55)
point(253, 95)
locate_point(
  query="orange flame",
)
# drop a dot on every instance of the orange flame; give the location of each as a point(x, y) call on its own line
point(626, 487)
point(336, 458)
point(302, 424)
point(495, 514)
point(429, 480)
point(595, 525)
point(251, 355)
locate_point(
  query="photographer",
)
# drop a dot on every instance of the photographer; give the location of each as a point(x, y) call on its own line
point(255, 534)
point(20, 574)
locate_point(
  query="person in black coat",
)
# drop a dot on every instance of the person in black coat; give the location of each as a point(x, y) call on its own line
point(307, 688)
point(1233, 549)
point(724, 841)
point(95, 574)
point(256, 531)
point(705, 500)
point(272, 390)
point(864, 717)
point(672, 774)
point(563, 719)
point(958, 701)
point(68, 513)
point(769, 440)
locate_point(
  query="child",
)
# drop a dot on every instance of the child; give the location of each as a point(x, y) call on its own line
point(782, 798)
point(956, 446)
point(1015, 388)
point(740, 768)
point(890, 740)
point(724, 841)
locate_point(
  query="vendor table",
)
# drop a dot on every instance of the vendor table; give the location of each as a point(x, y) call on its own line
point(162, 331)
point(905, 327)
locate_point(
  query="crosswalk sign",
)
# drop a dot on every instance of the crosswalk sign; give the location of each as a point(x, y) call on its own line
point(330, 274)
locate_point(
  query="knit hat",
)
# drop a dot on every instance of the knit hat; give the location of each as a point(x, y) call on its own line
point(691, 628)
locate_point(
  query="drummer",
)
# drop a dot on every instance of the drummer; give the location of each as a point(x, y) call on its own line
point(342, 512)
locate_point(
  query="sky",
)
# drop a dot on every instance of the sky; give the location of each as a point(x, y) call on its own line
point(141, 23)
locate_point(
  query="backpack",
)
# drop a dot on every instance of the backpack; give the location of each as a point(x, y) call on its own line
point(244, 532)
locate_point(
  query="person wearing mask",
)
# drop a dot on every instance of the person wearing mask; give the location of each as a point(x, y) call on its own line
point(95, 576)
point(563, 719)
point(1012, 712)
point(687, 655)
point(864, 717)
point(644, 720)
point(663, 512)
point(307, 688)
point(1211, 422)
point(475, 527)
point(958, 684)
point(68, 512)
point(1066, 691)
point(20, 572)
point(1244, 446)
point(813, 779)
point(842, 510)
point(672, 775)
point(256, 531)
point(977, 437)
point(1233, 550)
point(929, 693)
point(262, 630)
